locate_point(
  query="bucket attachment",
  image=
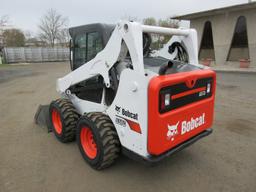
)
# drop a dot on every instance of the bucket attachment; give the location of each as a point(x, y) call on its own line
point(42, 117)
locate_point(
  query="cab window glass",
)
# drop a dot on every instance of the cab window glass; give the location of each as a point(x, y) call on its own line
point(94, 45)
point(80, 45)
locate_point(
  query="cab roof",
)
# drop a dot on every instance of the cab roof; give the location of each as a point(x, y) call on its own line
point(105, 29)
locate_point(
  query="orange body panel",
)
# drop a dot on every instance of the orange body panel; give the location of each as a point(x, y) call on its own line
point(200, 113)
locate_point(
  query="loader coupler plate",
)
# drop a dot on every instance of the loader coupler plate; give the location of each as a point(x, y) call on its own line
point(42, 117)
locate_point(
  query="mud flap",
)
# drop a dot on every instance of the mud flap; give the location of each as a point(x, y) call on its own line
point(42, 117)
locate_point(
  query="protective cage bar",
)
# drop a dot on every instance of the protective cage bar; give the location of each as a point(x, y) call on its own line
point(165, 31)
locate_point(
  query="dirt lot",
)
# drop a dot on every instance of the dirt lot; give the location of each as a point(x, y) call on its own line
point(33, 160)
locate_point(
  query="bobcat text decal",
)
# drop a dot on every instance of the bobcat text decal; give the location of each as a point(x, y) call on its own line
point(186, 126)
point(126, 113)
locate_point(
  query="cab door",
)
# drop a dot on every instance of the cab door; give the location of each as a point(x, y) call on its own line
point(84, 47)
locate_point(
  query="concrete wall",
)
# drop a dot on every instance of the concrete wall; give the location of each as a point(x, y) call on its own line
point(223, 26)
point(236, 54)
point(206, 54)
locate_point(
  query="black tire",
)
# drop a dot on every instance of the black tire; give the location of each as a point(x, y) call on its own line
point(104, 136)
point(68, 119)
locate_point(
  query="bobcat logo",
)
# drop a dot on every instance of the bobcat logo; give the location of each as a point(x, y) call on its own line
point(172, 131)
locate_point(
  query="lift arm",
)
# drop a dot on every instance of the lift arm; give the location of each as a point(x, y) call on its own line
point(131, 34)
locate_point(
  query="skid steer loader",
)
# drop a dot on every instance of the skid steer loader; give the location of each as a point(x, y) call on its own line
point(121, 97)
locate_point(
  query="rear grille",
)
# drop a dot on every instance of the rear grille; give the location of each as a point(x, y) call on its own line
point(181, 95)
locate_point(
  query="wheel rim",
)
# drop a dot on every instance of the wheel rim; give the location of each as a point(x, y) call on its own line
point(88, 142)
point(56, 120)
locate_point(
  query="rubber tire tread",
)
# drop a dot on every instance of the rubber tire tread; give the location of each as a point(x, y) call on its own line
point(108, 138)
point(69, 118)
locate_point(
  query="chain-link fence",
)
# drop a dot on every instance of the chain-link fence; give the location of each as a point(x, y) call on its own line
point(35, 54)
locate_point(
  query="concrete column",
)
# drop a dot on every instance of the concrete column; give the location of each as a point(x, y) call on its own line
point(199, 26)
point(223, 27)
point(251, 30)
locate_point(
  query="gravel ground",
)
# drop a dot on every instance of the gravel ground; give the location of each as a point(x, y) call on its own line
point(33, 160)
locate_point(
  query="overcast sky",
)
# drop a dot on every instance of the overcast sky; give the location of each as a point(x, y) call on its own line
point(25, 14)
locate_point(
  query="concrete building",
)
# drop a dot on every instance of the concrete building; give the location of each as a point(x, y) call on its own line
point(226, 35)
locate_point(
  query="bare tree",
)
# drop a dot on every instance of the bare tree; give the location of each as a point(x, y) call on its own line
point(4, 20)
point(150, 21)
point(13, 38)
point(130, 18)
point(63, 37)
point(51, 26)
point(158, 41)
point(169, 23)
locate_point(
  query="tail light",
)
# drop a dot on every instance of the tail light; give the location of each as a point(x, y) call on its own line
point(165, 100)
point(208, 88)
